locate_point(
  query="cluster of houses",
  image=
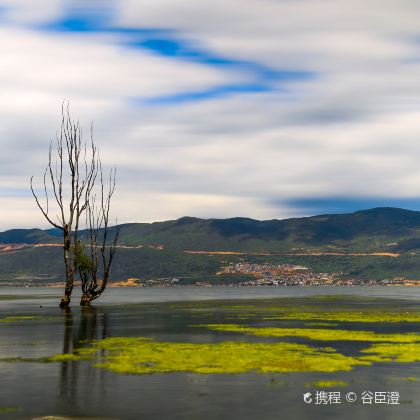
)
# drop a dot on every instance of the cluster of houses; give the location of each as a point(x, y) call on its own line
point(278, 275)
point(296, 275)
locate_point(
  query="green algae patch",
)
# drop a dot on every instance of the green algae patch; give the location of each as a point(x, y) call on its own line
point(348, 316)
point(128, 356)
point(401, 353)
point(8, 319)
point(8, 410)
point(141, 356)
point(67, 357)
point(346, 297)
point(21, 318)
point(317, 333)
point(325, 384)
point(82, 353)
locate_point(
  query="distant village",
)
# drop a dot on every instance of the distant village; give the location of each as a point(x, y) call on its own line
point(297, 275)
point(254, 275)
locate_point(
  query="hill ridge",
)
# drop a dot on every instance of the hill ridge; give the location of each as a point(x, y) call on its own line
point(376, 229)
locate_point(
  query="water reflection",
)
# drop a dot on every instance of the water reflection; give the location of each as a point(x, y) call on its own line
point(81, 380)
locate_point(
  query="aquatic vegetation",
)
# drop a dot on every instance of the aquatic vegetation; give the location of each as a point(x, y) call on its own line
point(267, 307)
point(349, 316)
point(8, 319)
point(139, 355)
point(333, 308)
point(325, 384)
point(21, 318)
point(325, 308)
point(23, 359)
point(345, 297)
point(401, 353)
point(6, 410)
point(243, 316)
point(67, 357)
point(320, 324)
point(82, 353)
point(317, 333)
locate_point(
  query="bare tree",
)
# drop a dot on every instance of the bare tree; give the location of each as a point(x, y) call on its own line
point(69, 178)
point(96, 254)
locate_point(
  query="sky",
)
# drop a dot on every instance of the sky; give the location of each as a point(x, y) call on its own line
point(254, 108)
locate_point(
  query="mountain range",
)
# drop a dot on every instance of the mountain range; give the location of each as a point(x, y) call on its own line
point(194, 248)
point(378, 229)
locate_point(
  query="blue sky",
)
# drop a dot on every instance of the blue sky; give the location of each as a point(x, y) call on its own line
point(257, 108)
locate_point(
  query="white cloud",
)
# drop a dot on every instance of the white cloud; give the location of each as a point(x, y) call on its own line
point(87, 66)
point(352, 130)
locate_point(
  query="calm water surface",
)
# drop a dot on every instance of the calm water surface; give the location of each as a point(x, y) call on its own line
point(79, 390)
point(121, 295)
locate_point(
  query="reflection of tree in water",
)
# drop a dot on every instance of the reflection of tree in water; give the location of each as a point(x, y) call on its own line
point(78, 379)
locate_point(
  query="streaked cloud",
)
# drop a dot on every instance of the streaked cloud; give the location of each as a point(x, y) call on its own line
point(256, 108)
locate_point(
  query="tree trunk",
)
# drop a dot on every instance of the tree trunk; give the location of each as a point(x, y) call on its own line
point(86, 299)
point(65, 301)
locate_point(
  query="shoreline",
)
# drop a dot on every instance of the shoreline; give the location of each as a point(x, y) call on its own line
point(411, 283)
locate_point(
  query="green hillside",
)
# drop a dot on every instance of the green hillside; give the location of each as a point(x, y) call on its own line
point(370, 230)
point(44, 265)
point(156, 250)
point(380, 229)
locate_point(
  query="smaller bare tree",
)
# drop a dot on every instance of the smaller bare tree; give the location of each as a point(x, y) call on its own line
point(94, 256)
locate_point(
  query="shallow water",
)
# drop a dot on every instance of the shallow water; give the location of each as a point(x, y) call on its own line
point(76, 388)
point(125, 295)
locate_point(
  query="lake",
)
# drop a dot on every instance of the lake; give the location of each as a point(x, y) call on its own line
point(212, 353)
